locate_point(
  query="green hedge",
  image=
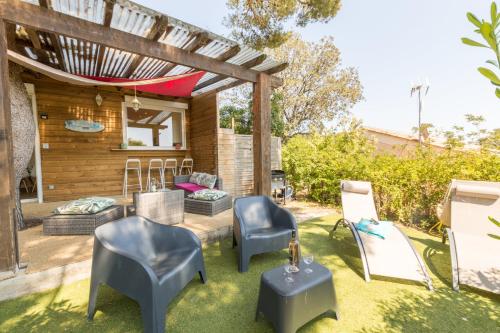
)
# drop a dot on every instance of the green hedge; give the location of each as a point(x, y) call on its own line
point(407, 189)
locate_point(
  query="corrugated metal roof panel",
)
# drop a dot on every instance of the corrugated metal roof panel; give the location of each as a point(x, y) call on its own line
point(80, 57)
point(131, 19)
point(214, 86)
point(90, 10)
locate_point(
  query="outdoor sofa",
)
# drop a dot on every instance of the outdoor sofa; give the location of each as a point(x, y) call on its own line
point(202, 207)
point(260, 226)
point(149, 262)
point(182, 183)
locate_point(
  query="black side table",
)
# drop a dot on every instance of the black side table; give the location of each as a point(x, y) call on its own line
point(288, 306)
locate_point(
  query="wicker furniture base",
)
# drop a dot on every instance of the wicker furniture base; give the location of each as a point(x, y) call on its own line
point(164, 207)
point(209, 208)
point(80, 224)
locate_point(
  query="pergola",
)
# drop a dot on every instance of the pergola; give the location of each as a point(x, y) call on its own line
point(118, 38)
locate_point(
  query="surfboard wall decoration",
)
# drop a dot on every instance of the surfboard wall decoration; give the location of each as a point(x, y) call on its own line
point(84, 126)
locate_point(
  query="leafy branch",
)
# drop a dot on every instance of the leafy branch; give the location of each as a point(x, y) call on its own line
point(489, 31)
point(495, 222)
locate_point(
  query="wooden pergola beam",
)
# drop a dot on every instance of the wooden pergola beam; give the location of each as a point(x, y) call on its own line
point(51, 21)
point(8, 247)
point(10, 30)
point(138, 125)
point(249, 64)
point(35, 40)
point(161, 119)
point(22, 43)
point(158, 29)
point(53, 38)
point(224, 87)
point(201, 39)
point(156, 32)
point(276, 69)
point(108, 17)
point(233, 51)
point(261, 107)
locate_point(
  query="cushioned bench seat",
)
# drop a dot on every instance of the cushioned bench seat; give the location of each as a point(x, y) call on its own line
point(84, 224)
point(182, 183)
point(190, 187)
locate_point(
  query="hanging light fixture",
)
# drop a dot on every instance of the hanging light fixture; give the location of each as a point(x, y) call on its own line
point(98, 98)
point(136, 105)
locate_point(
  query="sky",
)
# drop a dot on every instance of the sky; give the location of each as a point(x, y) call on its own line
point(392, 44)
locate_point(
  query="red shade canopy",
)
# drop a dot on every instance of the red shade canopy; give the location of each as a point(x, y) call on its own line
point(176, 86)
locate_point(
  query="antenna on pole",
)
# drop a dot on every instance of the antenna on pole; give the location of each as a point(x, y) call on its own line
point(422, 87)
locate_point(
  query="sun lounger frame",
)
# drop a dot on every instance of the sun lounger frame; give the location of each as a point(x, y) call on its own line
point(364, 260)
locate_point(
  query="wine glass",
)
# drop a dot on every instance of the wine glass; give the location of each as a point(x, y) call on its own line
point(288, 273)
point(308, 260)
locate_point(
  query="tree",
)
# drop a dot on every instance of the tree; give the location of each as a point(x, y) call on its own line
point(489, 31)
point(495, 222)
point(455, 138)
point(316, 89)
point(240, 109)
point(242, 119)
point(426, 130)
point(135, 142)
point(261, 23)
point(479, 137)
point(492, 140)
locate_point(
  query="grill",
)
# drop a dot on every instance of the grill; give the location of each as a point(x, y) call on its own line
point(279, 187)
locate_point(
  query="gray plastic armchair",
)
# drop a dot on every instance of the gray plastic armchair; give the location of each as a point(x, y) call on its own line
point(149, 262)
point(260, 226)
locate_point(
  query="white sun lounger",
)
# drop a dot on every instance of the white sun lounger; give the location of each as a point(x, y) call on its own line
point(393, 256)
point(475, 256)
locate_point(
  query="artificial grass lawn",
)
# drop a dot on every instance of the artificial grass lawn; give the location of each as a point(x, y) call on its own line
point(227, 302)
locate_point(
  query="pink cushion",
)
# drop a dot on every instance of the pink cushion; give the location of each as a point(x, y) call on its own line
point(190, 187)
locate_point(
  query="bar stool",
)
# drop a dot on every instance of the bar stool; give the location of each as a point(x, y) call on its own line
point(187, 164)
point(155, 164)
point(132, 164)
point(170, 164)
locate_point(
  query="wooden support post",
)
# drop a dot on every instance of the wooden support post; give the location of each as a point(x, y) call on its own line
point(262, 135)
point(8, 250)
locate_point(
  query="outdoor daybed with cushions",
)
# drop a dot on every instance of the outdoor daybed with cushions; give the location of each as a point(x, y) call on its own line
point(260, 226)
point(82, 216)
point(149, 262)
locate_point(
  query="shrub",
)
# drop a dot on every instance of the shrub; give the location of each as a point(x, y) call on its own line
point(407, 189)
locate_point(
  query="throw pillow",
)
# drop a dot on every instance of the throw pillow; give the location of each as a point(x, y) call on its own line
point(207, 180)
point(195, 178)
point(90, 205)
point(207, 195)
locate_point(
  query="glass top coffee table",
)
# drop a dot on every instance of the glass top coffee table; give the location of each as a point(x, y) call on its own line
point(288, 306)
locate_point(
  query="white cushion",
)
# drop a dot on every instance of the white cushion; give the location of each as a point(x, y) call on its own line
point(477, 191)
point(356, 187)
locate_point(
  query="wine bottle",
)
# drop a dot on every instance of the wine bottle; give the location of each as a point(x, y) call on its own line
point(293, 251)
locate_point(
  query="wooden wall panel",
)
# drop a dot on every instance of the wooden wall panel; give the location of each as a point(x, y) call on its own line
point(86, 164)
point(204, 124)
point(226, 162)
point(235, 161)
